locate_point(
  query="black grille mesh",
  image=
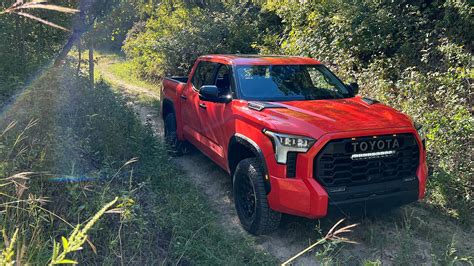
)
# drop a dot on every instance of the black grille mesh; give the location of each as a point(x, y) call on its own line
point(333, 165)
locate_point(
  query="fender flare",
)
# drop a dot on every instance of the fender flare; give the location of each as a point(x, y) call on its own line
point(253, 146)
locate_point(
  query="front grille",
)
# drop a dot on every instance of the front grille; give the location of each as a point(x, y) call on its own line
point(333, 166)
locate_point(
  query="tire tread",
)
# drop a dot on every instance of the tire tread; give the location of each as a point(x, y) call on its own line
point(266, 220)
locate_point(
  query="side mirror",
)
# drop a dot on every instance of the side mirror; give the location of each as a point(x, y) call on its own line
point(210, 93)
point(354, 87)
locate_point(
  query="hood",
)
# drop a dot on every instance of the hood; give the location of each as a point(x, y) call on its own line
point(318, 117)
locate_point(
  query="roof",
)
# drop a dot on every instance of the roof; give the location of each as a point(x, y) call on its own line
point(251, 59)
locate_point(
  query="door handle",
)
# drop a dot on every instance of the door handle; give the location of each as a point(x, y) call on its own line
point(202, 105)
point(183, 97)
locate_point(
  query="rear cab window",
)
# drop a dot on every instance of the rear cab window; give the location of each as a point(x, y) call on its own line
point(204, 75)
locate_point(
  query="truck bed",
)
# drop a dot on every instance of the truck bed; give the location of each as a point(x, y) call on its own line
point(178, 79)
point(172, 87)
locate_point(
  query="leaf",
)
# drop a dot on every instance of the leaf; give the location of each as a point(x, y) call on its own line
point(133, 160)
point(94, 249)
point(55, 250)
point(48, 7)
point(65, 243)
point(67, 261)
point(115, 210)
point(41, 20)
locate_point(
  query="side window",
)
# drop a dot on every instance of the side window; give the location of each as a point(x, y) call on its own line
point(203, 75)
point(224, 79)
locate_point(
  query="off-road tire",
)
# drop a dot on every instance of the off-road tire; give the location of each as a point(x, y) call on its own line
point(175, 147)
point(249, 174)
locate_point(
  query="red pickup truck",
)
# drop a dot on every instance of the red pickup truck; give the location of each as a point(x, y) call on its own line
point(294, 138)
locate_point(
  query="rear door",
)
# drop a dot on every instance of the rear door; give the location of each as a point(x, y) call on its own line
point(190, 111)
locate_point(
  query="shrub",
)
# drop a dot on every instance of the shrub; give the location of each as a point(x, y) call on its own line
point(175, 35)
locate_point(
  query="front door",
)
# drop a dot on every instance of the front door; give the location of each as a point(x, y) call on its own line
point(212, 116)
point(190, 108)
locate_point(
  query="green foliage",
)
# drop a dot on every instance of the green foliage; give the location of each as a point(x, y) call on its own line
point(184, 213)
point(110, 32)
point(413, 55)
point(77, 238)
point(372, 263)
point(26, 45)
point(451, 256)
point(6, 257)
point(175, 35)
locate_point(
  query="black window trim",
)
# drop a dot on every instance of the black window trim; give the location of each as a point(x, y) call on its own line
point(197, 68)
point(233, 84)
point(214, 75)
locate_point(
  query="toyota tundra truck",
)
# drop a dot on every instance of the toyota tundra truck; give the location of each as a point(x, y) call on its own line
point(294, 138)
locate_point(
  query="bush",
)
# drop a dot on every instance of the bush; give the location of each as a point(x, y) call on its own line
point(175, 35)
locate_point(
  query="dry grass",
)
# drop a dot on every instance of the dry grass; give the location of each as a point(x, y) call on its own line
point(19, 8)
point(332, 235)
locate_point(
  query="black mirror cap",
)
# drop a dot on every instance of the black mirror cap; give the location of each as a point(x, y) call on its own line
point(354, 87)
point(210, 93)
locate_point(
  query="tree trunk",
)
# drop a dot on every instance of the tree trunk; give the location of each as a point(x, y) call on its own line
point(79, 27)
point(91, 63)
point(21, 45)
point(66, 48)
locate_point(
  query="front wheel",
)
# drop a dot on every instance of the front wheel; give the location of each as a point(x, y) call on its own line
point(250, 199)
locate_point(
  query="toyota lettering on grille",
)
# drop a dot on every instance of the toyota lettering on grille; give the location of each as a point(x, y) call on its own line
point(375, 145)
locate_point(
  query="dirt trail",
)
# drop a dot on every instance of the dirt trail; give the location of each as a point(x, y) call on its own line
point(294, 234)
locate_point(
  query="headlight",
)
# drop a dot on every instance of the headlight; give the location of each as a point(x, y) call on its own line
point(283, 143)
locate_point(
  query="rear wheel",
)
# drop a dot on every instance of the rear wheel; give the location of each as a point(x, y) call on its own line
point(175, 146)
point(250, 199)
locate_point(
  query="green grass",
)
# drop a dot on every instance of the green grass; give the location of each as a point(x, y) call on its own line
point(163, 217)
point(124, 70)
point(120, 73)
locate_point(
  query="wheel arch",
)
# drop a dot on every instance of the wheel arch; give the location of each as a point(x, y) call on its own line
point(242, 147)
point(167, 108)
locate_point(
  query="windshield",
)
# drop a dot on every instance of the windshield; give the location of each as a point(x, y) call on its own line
point(289, 83)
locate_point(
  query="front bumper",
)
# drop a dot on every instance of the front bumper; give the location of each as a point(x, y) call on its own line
point(305, 196)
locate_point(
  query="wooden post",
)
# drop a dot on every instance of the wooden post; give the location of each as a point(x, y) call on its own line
point(91, 63)
point(79, 49)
